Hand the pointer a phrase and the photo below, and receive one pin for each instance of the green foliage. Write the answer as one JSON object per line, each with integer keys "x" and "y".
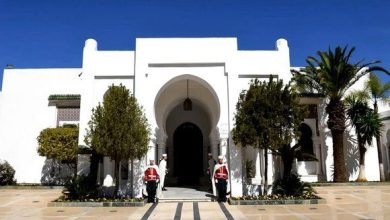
{"x": 79, "y": 187}
{"x": 332, "y": 74}
{"x": 268, "y": 115}
{"x": 250, "y": 169}
{"x": 118, "y": 128}
{"x": 65, "y": 97}
{"x": 377, "y": 90}
{"x": 7, "y": 174}
{"x": 291, "y": 186}
{"x": 59, "y": 143}
{"x": 365, "y": 120}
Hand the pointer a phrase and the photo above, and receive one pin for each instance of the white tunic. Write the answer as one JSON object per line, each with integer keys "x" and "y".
{"x": 162, "y": 167}
{"x": 162, "y": 171}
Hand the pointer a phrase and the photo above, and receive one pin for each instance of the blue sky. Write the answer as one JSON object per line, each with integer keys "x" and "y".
{"x": 51, "y": 33}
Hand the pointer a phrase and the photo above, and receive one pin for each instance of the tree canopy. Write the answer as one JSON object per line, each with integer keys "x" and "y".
{"x": 268, "y": 116}
{"x": 59, "y": 143}
{"x": 366, "y": 123}
{"x": 118, "y": 128}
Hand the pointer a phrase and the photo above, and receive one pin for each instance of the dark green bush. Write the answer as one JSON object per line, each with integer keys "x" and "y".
{"x": 7, "y": 174}
{"x": 80, "y": 188}
{"x": 291, "y": 186}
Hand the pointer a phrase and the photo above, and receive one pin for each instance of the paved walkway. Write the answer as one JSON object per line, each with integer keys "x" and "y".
{"x": 343, "y": 202}
{"x": 185, "y": 194}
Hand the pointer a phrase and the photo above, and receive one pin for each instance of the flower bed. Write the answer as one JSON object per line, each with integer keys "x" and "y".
{"x": 275, "y": 200}
{"x": 98, "y": 202}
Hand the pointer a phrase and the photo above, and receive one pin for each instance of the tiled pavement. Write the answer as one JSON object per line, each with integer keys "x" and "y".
{"x": 342, "y": 202}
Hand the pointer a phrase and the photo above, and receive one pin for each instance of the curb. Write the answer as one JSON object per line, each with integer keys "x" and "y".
{"x": 30, "y": 187}
{"x": 277, "y": 202}
{"x": 351, "y": 184}
{"x": 96, "y": 204}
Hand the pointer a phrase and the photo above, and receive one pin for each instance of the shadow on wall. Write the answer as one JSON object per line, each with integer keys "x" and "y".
{"x": 55, "y": 173}
{"x": 351, "y": 154}
{"x": 325, "y": 134}
{"x": 386, "y": 145}
{"x": 237, "y": 165}
{"x": 138, "y": 168}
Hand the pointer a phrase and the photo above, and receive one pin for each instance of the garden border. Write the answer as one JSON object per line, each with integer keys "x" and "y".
{"x": 277, "y": 202}
{"x": 96, "y": 204}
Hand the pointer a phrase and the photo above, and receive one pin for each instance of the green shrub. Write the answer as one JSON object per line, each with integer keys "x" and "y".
{"x": 250, "y": 169}
{"x": 59, "y": 143}
{"x": 291, "y": 186}
{"x": 7, "y": 174}
{"x": 79, "y": 187}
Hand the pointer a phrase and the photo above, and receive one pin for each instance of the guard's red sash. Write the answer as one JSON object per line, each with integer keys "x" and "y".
{"x": 151, "y": 174}
{"x": 221, "y": 173}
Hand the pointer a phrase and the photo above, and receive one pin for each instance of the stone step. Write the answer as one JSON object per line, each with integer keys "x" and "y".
{"x": 184, "y": 200}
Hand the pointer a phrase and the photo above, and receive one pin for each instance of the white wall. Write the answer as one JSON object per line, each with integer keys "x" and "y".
{"x": 25, "y": 112}
{"x": 100, "y": 70}
{"x": 215, "y": 63}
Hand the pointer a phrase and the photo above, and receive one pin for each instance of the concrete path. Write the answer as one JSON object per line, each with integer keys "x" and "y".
{"x": 343, "y": 202}
{"x": 185, "y": 194}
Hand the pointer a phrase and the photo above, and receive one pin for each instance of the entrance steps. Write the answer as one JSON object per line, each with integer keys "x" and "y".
{"x": 183, "y": 194}
{"x": 185, "y": 200}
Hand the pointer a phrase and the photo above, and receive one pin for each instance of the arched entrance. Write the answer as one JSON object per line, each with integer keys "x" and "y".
{"x": 186, "y": 136}
{"x": 188, "y": 150}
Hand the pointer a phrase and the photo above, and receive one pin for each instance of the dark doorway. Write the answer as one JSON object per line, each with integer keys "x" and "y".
{"x": 306, "y": 143}
{"x": 188, "y": 145}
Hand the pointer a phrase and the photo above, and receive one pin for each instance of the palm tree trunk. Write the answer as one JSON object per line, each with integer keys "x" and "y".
{"x": 378, "y": 144}
{"x": 362, "y": 170}
{"x": 338, "y": 157}
{"x": 336, "y": 124}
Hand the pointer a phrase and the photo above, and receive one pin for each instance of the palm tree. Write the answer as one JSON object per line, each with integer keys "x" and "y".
{"x": 377, "y": 91}
{"x": 367, "y": 125}
{"x": 331, "y": 75}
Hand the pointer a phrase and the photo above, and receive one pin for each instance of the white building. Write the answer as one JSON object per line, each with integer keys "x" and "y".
{"x": 162, "y": 73}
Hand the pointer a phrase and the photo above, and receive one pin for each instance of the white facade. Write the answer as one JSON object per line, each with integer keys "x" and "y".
{"x": 25, "y": 112}
{"x": 157, "y": 73}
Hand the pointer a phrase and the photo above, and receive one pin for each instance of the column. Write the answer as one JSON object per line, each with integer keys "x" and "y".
{"x": 317, "y": 152}
{"x": 223, "y": 146}
{"x": 214, "y": 143}
{"x": 161, "y": 143}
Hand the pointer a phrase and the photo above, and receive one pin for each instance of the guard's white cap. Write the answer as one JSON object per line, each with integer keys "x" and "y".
{"x": 210, "y": 154}
{"x": 220, "y": 157}
{"x": 164, "y": 155}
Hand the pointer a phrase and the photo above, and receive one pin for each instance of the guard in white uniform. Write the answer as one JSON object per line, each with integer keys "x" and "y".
{"x": 163, "y": 171}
